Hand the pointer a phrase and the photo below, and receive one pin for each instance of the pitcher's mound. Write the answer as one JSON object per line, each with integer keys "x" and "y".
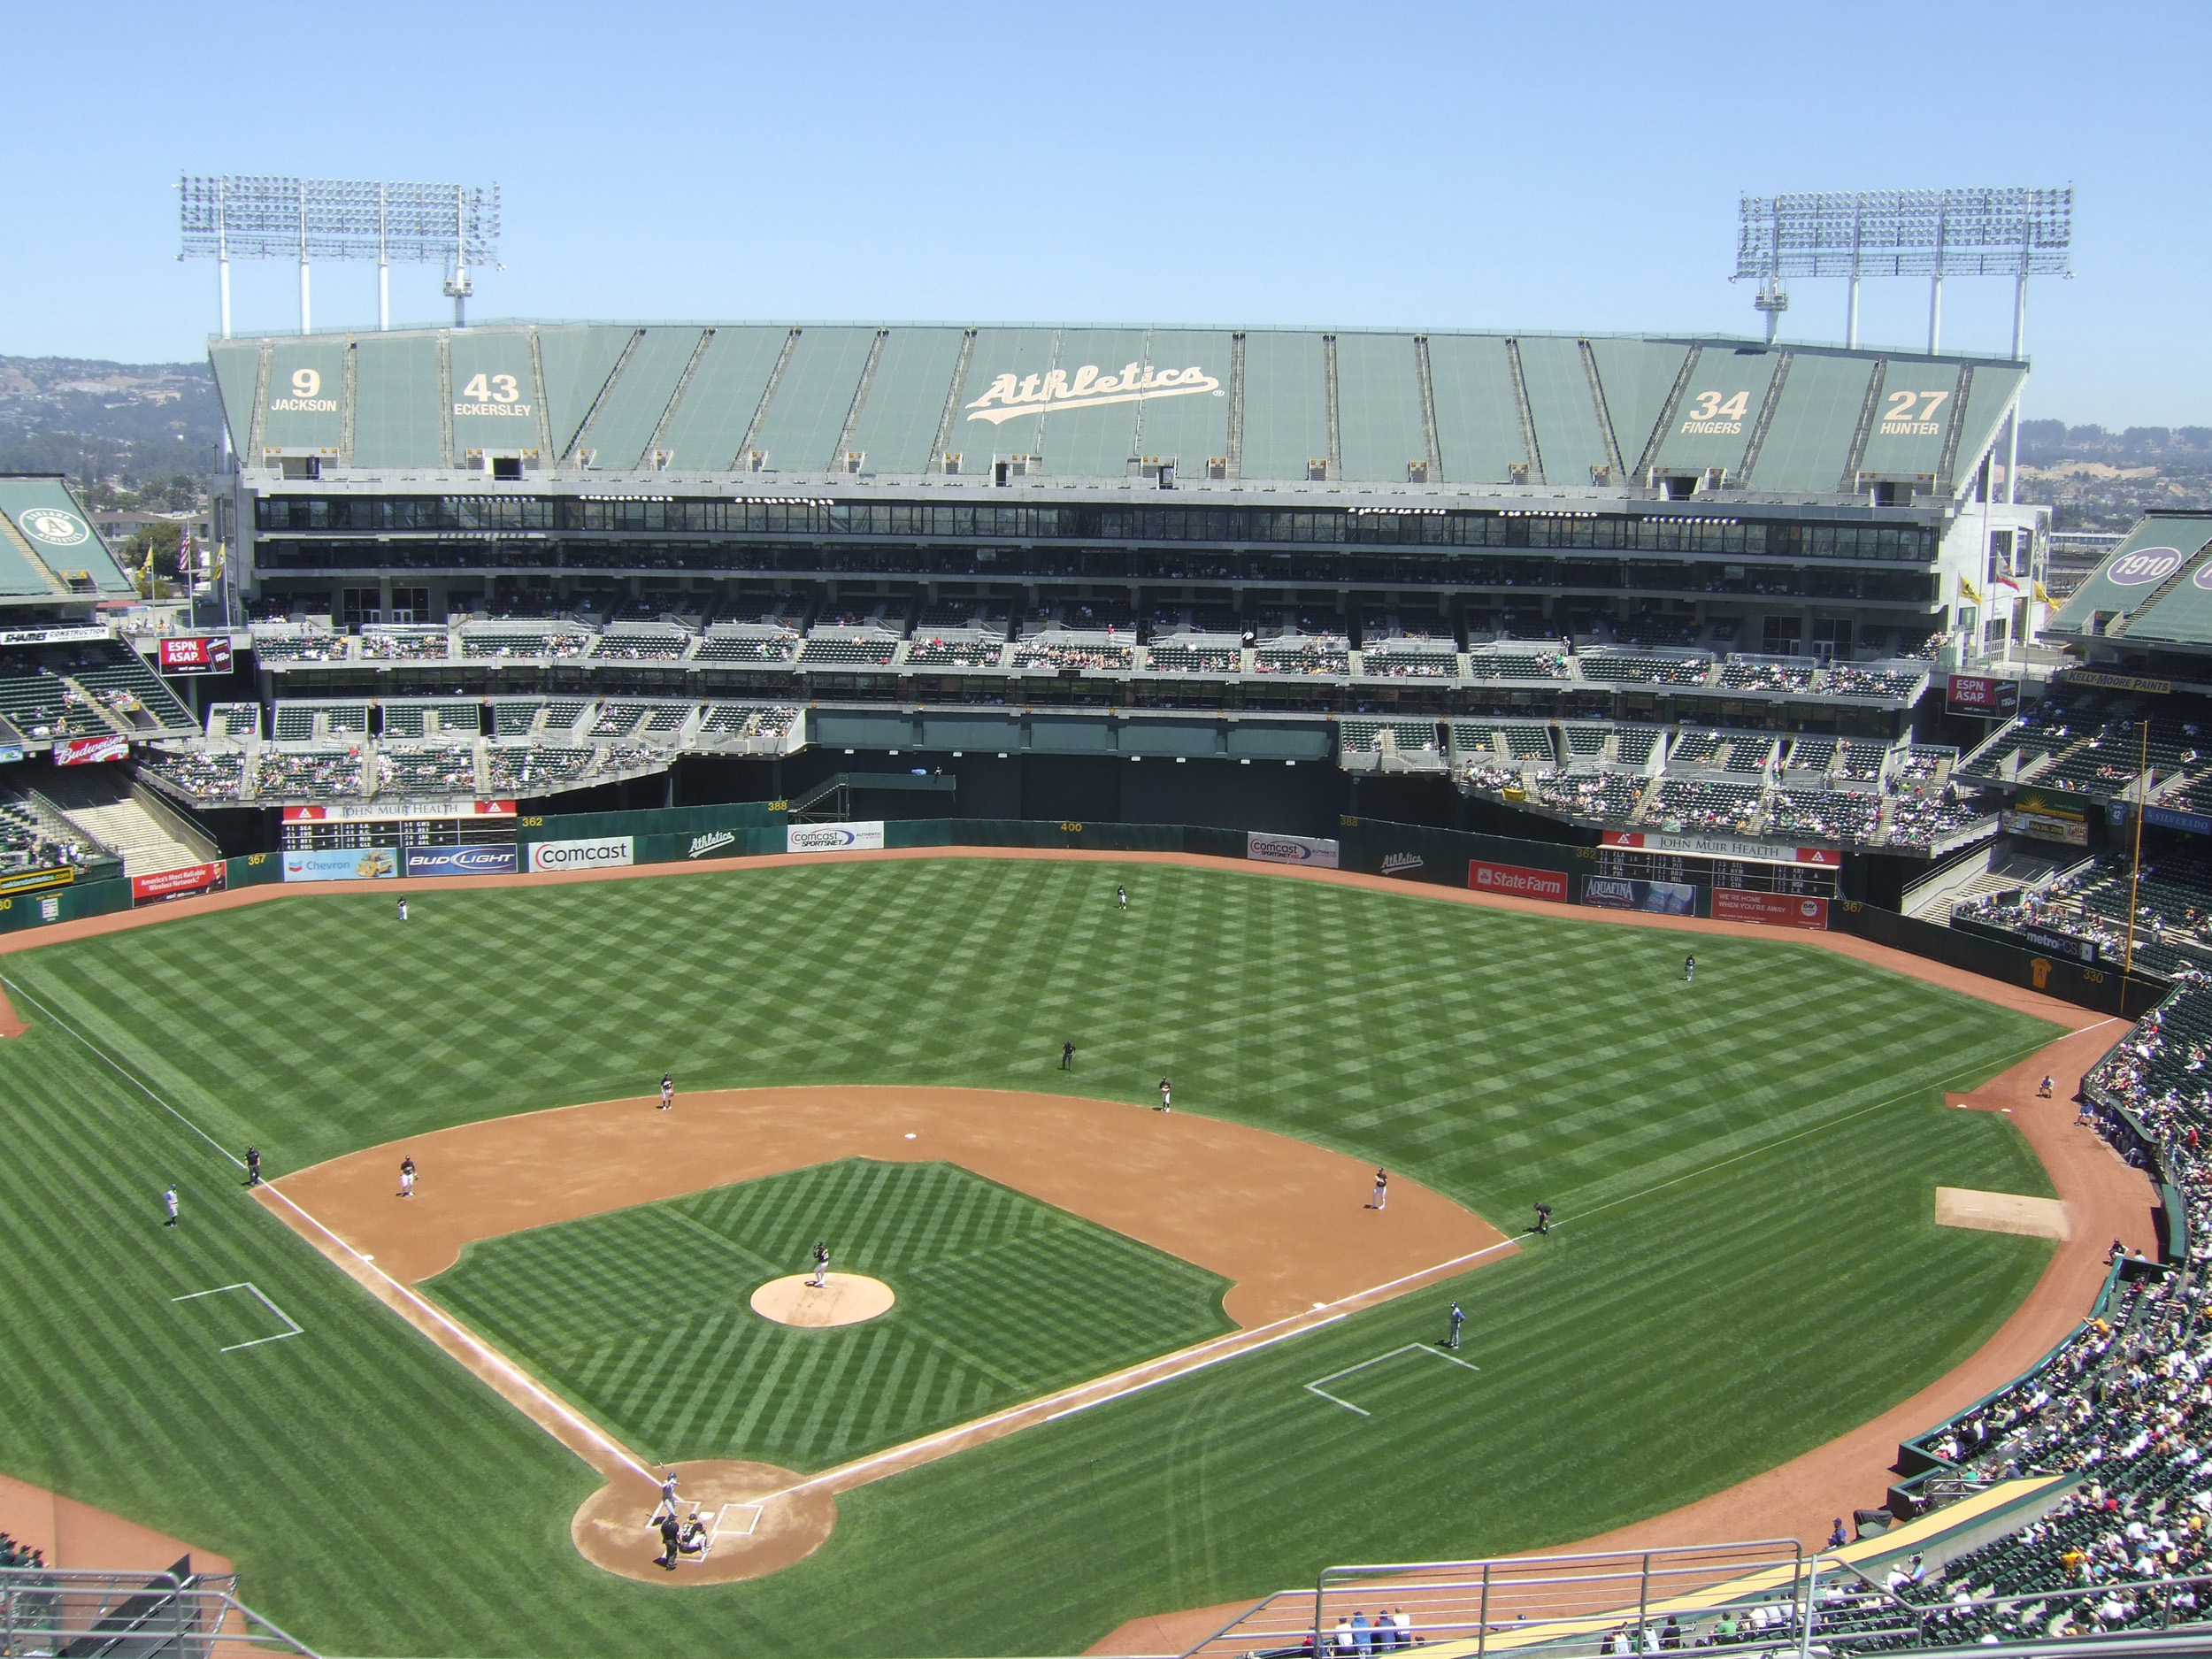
{"x": 755, "y": 1524}
{"x": 848, "y": 1299}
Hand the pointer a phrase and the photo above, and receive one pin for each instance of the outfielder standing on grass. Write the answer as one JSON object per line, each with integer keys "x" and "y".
{"x": 1689, "y": 970}
{"x": 1121, "y": 897}
{"x": 170, "y": 1199}
{"x": 1067, "y": 1056}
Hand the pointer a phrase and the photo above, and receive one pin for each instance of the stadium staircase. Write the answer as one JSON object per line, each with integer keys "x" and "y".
{"x": 106, "y": 807}
{"x": 2022, "y": 870}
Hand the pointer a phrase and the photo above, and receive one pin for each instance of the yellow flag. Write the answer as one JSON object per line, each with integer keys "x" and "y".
{"x": 2043, "y": 594}
{"x": 1969, "y": 590}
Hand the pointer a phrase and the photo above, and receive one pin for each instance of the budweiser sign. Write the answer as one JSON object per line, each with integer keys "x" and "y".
{"x": 1040, "y": 395}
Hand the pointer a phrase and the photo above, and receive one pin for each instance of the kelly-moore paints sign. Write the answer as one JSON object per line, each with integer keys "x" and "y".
{"x": 604, "y": 852}
{"x": 832, "y": 838}
{"x": 1291, "y": 849}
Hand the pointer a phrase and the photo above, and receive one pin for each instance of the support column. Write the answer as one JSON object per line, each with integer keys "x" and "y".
{"x": 383, "y": 294}
{"x": 2019, "y": 347}
{"x": 1851, "y": 316}
{"x": 222, "y": 285}
{"x": 306, "y": 325}
{"x": 1935, "y": 313}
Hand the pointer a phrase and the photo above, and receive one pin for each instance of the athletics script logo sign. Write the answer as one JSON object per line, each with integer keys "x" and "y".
{"x": 1040, "y": 395}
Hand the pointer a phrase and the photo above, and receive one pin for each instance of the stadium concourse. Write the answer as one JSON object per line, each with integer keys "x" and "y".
{"x": 2102, "y": 1195}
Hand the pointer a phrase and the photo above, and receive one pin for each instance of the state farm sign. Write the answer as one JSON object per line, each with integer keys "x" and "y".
{"x": 1518, "y": 881}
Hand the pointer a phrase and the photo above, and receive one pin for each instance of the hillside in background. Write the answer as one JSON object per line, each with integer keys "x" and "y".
{"x": 125, "y": 432}
{"x": 2096, "y": 480}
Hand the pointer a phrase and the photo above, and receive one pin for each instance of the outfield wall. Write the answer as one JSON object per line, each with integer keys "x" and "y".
{"x": 1554, "y": 871}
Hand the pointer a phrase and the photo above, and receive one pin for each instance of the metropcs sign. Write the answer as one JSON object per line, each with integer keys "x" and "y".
{"x": 1040, "y": 395}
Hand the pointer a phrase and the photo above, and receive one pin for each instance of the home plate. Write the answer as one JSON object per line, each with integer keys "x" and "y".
{"x": 2000, "y": 1212}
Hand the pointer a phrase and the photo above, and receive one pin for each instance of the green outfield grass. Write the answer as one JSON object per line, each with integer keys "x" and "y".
{"x": 640, "y": 1316}
{"x": 1746, "y": 1263}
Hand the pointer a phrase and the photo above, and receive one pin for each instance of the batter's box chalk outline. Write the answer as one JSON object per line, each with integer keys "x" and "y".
{"x": 1314, "y": 1387}
{"x": 748, "y": 1513}
{"x": 255, "y": 1292}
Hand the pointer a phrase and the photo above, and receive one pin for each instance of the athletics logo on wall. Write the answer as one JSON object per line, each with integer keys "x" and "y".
{"x": 1041, "y": 394}
{"x": 54, "y": 526}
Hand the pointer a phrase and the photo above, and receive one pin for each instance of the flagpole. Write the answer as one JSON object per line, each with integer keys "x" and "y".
{"x": 2135, "y": 870}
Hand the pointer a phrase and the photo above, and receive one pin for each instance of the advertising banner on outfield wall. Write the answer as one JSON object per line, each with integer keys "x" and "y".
{"x": 31, "y": 880}
{"x": 357, "y": 863}
{"x": 178, "y": 884}
{"x": 1291, "y": 849}
{"x": 1662, "y": 898}
{"x": 604, "y": 852}
{"x": 1775, "y": 910}
{"x": 459, "y": 861}
{"x": 1517, "y": 881}
{"x": 831, "y": 838}
{"x": 1723, "y": 847}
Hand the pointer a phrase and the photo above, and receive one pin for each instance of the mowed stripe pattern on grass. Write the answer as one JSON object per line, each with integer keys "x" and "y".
{"x": 641, "y": 1317}
{"x": 1467, "y": 1047}
{"x": 1647, "y": 1354}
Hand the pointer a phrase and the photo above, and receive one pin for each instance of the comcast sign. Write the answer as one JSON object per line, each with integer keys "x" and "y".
{"x": 1086, "y": 389}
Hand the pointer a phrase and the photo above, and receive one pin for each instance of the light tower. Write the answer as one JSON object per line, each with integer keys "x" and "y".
{"x": 263, "y": 217}
{"x": 2018, "y": 233}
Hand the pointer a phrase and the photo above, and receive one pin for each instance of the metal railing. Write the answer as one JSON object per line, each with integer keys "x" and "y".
{"x": 1511, "y": 1602}
{"x": 46, "y": 1612}
{"x": 1765, "y": 1597}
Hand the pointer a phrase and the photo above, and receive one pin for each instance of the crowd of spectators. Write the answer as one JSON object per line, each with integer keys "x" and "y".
{"x": 1606, "y": 797}
{"x": 1038, "y": 653}
{"x": 943, "y": 653}
{"x": 315, "y": 773}
{"x": 406, "y": 647}
{"x": 1407, "y": 660}
{"x": 14, "y": 1553}
{"x": 426, "y": 770}
{"x": 204, "y": 775}
{"x": 1827, "y": 815}
{"x": 1304, "y": 656}
{"x": 506, "y": 644}
{"x": 1921, "y": 820}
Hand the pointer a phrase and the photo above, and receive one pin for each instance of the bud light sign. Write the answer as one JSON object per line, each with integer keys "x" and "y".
{"x": 461, "y": 861}
{"x": 2145, "y": 564}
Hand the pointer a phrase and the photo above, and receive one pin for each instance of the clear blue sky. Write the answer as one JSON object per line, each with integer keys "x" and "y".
{"x": 1478, "y": 167}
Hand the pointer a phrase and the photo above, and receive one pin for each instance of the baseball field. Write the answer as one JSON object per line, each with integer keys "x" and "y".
{"x": 1744, "y": 1261}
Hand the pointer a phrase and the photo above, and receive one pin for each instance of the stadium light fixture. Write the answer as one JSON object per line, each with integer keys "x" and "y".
{"x": 223, "y": 217}
{"x": 2017, "y": 231}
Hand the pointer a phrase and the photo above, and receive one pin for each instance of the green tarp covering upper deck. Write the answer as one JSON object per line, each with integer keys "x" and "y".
{"x": 49, "y": 548}
{"x": 1357, "y": 406}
